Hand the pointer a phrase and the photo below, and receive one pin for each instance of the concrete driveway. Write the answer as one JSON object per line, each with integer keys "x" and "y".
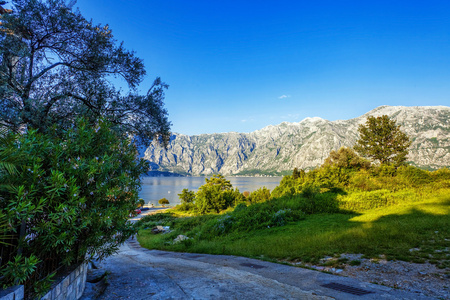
{"x": 138, "y": 273}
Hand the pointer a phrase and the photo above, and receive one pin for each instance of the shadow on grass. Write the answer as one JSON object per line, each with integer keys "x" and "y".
{"x": 423, "y": 227}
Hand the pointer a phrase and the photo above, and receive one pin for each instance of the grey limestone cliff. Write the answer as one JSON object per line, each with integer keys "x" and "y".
{"x": 306, "y": 144}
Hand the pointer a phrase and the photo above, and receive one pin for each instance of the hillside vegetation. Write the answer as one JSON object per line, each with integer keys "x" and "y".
{"x": 345, "y": 206}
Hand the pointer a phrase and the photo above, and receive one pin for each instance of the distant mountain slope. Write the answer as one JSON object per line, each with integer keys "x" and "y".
{"x": 280, "y": 148}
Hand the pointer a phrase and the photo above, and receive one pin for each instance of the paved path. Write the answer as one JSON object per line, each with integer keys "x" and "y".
{"x": 138, "y": 273}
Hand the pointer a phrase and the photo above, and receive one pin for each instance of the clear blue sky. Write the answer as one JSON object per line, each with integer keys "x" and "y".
{"x": 242, "y": 65}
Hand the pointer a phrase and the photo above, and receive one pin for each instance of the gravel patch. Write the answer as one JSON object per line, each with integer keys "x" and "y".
{"x": 422, "y": 279}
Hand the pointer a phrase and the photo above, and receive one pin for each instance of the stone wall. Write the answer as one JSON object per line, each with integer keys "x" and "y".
{"x": 70, "y": 288}
{"x": 12, "y": 293}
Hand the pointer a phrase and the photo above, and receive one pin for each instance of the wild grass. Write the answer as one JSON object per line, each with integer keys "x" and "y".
{"x": 404, "y": 221}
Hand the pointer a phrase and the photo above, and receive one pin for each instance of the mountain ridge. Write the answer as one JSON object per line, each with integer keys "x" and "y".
{"x": 277, "y": 149}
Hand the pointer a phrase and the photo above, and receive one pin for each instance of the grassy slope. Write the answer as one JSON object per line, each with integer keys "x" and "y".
{"x": 404, "y": 216}
{"x": 391, "y": 231}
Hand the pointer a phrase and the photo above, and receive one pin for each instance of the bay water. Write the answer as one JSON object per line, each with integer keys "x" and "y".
{"x": 155, "y": 188}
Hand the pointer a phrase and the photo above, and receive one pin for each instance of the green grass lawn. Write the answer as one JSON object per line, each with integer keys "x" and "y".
{"x": 415, "y": 229}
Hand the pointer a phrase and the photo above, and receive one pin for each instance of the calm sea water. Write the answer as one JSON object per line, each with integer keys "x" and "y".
{"x": 155, "y": 188}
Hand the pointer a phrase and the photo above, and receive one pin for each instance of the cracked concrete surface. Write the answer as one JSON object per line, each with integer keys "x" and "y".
{"x": 138, "y": 273}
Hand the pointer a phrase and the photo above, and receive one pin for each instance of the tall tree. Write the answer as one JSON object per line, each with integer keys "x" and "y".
{"x": 382, "y": 140}
{"x": 56, "y": 66}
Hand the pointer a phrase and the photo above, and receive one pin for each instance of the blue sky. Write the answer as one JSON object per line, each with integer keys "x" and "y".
{"x": 242, "y": 65}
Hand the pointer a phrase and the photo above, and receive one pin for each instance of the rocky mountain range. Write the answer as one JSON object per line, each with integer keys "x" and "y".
{"x": 279, "y": 149}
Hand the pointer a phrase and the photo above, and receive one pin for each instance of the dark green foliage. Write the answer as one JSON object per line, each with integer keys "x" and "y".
{"x": 163, "y": 201}
{"x": 260, "y": 195}
{"x": 346, "y": 158}
{"x": 239, "y": 207}
{"x": 74, "y": 194}
{"x": 414, "y": 176}
{"x": 18, "y": 271}
{"x": 298, "y": 174}
{"x": 287, "y": 187}
{"x": 215, "y": 195}
{"x": 185, "y": 207}
{"x": 186, "y": 196}
{"x": 56, "y": 66}
{"x": 256, "y": 216}
{"x": 383, "y": 141}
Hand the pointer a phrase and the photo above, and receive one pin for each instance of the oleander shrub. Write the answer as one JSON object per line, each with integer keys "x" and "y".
{"x": 72, "y": 194}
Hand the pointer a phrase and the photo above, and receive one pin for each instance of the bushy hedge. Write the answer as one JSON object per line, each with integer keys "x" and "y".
{"x": 72, "y": 195}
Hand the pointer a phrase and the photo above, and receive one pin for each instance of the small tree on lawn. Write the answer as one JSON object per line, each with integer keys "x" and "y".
{"x": 187, "y": 196}
{"x": 163, "y": 202}
{"x": 382, "y": 140}
{"x": 216, "y": 195}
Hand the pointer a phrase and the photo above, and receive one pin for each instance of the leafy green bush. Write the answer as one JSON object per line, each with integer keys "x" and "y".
{"x": 414, "y": 176}
{"x": 141, "y": 202}
{"x": 161, "y": 217}
{"x": 256, "y": 216}
{"x": 239, "y": 207}
{"x": 224, "y": 224}
{"x": 281, "y": 217}
{"x": 216, "y": 195}
{"x": 186, "y": 196}
{"x": 74, "y": 194}
{"x": 260, "y": 195}
{"x": 185, "y": 207}
{"x": 163, "y": 201}
{"x": 17, "y": 271}
{"x": 346, "y": 158}
{"x": 287, "y": 187}
{"x": 364, "y": 181}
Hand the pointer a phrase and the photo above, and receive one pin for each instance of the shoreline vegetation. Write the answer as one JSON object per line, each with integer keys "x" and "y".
{"x": 396, "y": 213}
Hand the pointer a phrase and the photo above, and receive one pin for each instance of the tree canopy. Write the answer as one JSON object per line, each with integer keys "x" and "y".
{"x": 216, "y": 195}
{"x": 56, "y": 66}
{"x": 382, "y": 140}
{"x": 346, "y": 158}
{"x": 187, "y": 196}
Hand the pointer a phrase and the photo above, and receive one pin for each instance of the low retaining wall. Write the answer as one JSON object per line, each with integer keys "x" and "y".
{"x": 12, "y": 293}
{"x": 70, "y": 288}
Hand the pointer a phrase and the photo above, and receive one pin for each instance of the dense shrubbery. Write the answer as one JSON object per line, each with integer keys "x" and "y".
{"x": 216, "y": 195}
{"x": 71, "y": 196}
{"x": 260, "y": 195}
{"x": 242, "y": 219}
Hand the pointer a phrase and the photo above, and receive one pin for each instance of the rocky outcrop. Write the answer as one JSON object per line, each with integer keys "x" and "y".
{"x": 306, "y": 144}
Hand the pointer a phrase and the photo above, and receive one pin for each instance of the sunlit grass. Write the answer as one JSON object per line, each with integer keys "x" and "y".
{"x": 409, "y": 226}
